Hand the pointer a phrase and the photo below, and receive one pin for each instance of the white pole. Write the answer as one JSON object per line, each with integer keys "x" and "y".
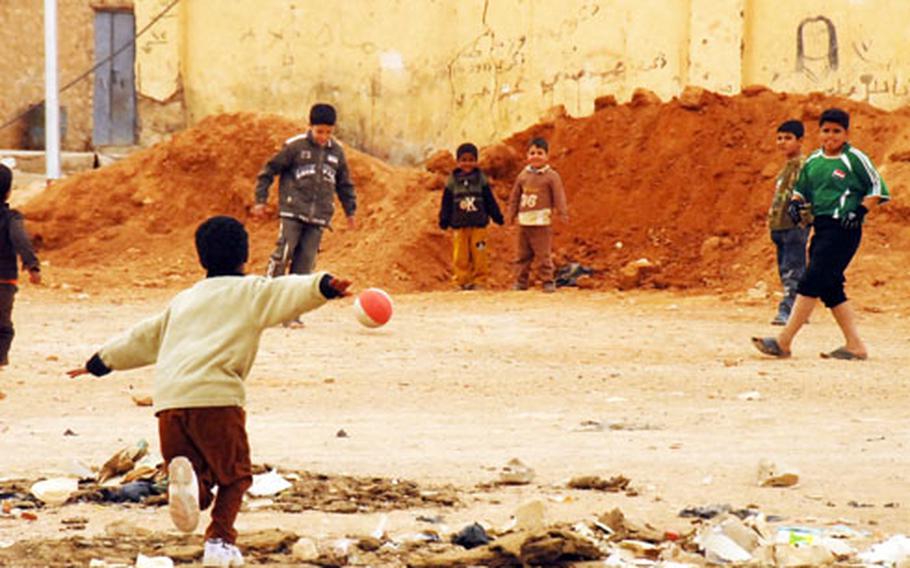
{"x": 51, "y": 100}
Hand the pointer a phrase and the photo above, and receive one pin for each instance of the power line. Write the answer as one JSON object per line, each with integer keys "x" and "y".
{"x": 114, "y": 54}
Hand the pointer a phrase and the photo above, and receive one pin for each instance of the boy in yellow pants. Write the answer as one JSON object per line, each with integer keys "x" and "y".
{"x": 467, "y": 206}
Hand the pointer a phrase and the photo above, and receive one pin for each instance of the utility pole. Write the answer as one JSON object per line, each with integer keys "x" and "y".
{"x": 51, "y": 98}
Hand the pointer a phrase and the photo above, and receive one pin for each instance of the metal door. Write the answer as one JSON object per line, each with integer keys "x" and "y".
{"x": 115, "y": 87}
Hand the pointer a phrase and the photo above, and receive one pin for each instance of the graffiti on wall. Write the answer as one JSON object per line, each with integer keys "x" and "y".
{"x": 865, "y": 77}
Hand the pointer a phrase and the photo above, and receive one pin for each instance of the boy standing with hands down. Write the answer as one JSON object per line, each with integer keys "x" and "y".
{"x": 840, "y": 185}
{"x": 537, "y": 191}
{"x": 312, "y": 169}
{"x": 789, "y": 236}
{"x": 203, "y": 346}
{"x": 467, "y": 206}
{"x": 14, "y": 244}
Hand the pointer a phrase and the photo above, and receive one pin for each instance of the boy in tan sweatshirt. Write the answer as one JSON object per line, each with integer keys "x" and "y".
{"x": 203, "y": 346}
{"x": 537, "y": 191}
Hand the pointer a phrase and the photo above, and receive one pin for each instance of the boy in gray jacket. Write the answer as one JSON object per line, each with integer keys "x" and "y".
{"x": 312, "y": 169}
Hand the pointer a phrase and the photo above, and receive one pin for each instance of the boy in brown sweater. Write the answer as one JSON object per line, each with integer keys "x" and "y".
{"x": 537, "y": 191}
{"x": 203, "y": 346}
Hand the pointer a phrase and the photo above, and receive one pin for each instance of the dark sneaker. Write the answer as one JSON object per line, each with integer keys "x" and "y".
{"x": 781, "y": 319}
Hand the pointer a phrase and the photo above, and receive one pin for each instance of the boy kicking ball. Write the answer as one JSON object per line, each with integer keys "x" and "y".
{"x": 203, "y": 346}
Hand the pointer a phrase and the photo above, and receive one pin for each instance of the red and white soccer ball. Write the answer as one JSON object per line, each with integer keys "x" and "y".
{"x": 373, "y": 307}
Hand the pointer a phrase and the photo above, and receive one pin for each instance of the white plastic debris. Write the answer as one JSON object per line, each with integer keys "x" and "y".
{"x": 270, "y": 483}
{"x": 55, "y": 491}
{"x": 305, "y": 550}
{"x": 379, "y": 531}
{"x": 889, "y": 553}
{"x": 515, "y": 472}
{"x": 143, "y": 561}
{"x": 749, "y": 395}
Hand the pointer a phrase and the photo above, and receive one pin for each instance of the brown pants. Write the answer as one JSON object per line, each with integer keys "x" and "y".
{"x": 534, "y": 242}
{"x": 214, "y": 440}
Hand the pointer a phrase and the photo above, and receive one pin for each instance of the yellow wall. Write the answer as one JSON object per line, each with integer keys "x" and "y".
{"x": 411, "y": 76}
{"x": 867, "y": 57}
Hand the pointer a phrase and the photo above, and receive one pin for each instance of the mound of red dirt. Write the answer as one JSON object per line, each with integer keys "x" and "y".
{"x": 685, "y": 184}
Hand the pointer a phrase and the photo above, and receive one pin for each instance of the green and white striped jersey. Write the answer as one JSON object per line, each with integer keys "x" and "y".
{"x": 837, "y": 185}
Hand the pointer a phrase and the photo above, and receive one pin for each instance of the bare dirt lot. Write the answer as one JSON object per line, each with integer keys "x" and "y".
{"x": 642, "y": 384}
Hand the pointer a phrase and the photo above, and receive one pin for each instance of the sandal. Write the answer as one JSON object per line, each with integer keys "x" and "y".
{"x": 770, "y": 346}
{"x": 844, "y": 355}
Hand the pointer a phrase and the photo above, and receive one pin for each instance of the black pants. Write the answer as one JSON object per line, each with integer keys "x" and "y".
{"x": 831, "y": 250}
{"x": 7, "y": 295}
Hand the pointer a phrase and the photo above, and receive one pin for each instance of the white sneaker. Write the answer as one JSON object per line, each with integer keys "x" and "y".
{"x": 219, "y": 553}
{"x": 183, "y": 494}
{"x": 234, "y": 553}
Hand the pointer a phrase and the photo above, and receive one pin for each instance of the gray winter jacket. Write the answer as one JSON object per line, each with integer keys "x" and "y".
{"x": 310, "y": 176}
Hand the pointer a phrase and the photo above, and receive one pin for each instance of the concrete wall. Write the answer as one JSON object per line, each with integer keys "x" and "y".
{"x": 22, "y": 66}
{"x": 409, "y": 76}
{"x": 852, "y": 48}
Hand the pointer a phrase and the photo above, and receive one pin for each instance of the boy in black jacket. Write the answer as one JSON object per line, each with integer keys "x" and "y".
{"x": 14, "y": 242}
{"x": 467, "y": 206}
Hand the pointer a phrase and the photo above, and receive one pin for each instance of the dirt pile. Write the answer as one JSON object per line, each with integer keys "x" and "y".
{"x": 684, "y": 184}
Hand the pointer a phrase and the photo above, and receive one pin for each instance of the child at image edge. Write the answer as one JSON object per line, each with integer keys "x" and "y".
{"x": 467, "y": 206}
{"x": 14, "y": 242}
{"x": 537, "y": 191}
{"x": 203, "y": 345}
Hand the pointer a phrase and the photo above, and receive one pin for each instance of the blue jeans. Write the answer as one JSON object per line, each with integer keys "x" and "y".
{"x": 791, "y": 263}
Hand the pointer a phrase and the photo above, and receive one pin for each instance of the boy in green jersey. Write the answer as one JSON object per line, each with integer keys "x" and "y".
{"x": 840, "y": 184}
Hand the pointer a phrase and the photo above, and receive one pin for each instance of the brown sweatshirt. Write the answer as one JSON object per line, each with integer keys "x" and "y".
{"x": 534, "y": 196}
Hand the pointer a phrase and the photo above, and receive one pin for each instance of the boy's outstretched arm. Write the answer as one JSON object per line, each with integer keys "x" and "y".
{"x": 281, "y": 299}
{"x": 137, "y": 347}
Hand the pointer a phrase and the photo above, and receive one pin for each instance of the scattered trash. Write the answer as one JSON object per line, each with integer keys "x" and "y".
{"x": 728, "y": 540}
{"x": 80, "y": 469}
{"x": 531, "y": 516}
{"x": 379, "y": 531}
{"x": 341, "y": 434}
{"x": 858, "y": 505}
{"x": 589, "y": 426}
{"x": 270, "y": 483}
{"x": 142, "y": 400}
{"x": 615, "y": 484}
{"x": 706, "y": 512}
{"x": 569, "y": 274}
{"x": 749, "y": 395}
{"x": 515, "y": 472}
{"x": 134, "y": 492}
{"x": 434, "y": 520}
{"x": 305, "y": 550}
{"x": 472, "y": 536}
{"x": 123, "y": 461}
{"x": 143, "y": 561}
{"x": 28, "y": 516}
{"x": 772, "y": 475}
{"x": 892, "y": 552}
{"x": 55, "y": 491}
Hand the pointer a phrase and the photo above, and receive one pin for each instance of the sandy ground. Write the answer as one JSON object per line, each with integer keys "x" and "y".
{"x": 459, "y": 383}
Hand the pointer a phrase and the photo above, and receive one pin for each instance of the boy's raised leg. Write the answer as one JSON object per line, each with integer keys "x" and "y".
{"x": 799, "y": 315}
